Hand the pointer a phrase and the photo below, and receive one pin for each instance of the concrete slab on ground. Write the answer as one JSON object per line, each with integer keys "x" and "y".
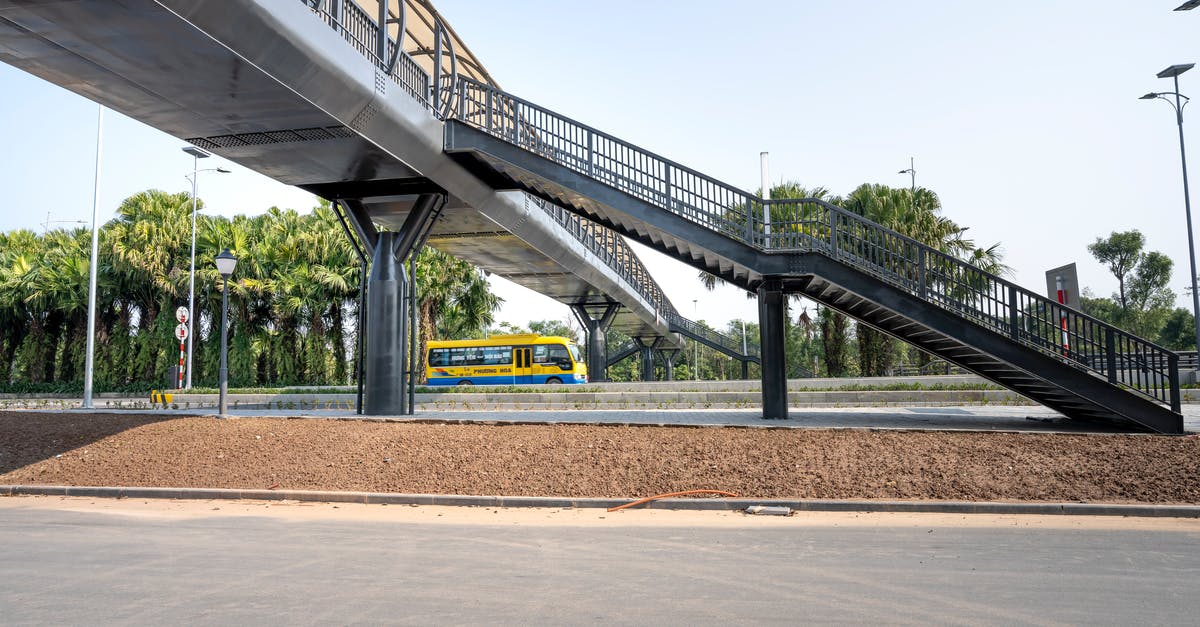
{"x": 969, "y": 418}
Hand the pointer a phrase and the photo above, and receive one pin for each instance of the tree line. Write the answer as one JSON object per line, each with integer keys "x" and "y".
{"x": 293, "y": 299}
{"x": 1143, "y": 304}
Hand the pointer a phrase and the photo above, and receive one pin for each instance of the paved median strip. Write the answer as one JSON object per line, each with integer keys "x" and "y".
{"x": 719, "y": 504}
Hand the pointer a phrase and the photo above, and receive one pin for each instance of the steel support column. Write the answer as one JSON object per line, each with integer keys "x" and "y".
{"x": 668, "y": 357}
{"x": 386, "y": 331}
{"x": 647, "y": 356}
{"x": 365, "y": 250}
{"x": 772, "y": 332}
{"x": 596, "y": 330}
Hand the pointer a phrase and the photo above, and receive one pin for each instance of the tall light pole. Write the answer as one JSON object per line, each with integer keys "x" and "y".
{"x": 1179, "y": 103}
{"x": 226, "y": 262}
{"x": 912, "y": 172}
{"x": 197, "y": 155}
{"x": 89, "y": 360}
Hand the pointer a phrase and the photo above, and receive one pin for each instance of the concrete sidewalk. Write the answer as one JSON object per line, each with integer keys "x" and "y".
{"x": 988, "y": 418}
{"x": 814, "y": 403}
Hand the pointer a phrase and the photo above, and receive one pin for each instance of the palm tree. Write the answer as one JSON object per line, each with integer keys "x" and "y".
{"x": 150, "y": 241}
{"x": 18, "y": 251}
{"x": 917, "y": 215}
{"x": 296, "y": 282}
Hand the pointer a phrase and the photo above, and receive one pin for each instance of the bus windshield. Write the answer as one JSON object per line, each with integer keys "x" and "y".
{"x": 574, "y": 353}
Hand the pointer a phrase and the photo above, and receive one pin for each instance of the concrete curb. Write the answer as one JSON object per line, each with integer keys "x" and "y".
{"x": 810, "y": 505}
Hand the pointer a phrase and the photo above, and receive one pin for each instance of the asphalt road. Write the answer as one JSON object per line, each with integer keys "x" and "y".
{"x": 87, "y": 567}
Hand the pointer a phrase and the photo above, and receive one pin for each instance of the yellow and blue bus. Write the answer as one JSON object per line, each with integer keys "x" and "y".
{"x": 505, "y": 360}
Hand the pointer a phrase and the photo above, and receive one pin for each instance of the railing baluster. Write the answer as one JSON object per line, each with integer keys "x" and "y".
{"x": 1014, "y": 314}
{"x": 1173, "y": 380}
{"x": 833, "y": 234}
{"x": 922, "y": 286}
{"x": 489, "y": 104}
{"x": 1110, "y": 350}
{"x": 748, "y": 214}
{"x": 667, "y": 184}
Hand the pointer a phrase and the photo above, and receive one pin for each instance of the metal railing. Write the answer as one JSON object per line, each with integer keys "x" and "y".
{"x": 363, "y": 32}
{"x": 609, "y": 247}
{"x": 814, "y": 225}
{"x": 695, "y": 329}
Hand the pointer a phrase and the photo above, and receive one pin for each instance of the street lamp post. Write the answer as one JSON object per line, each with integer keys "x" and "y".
{"x": 1179, "y": 103}
{"x": 912, "y": 172}
{"x": 226, "y": 262}
{"x": 89, "y": 358}
{"x": 197, "y": 154}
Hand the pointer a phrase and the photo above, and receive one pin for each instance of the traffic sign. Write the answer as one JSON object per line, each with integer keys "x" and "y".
{"x": 181, "y": 332}
{"x": 181, "y": 314}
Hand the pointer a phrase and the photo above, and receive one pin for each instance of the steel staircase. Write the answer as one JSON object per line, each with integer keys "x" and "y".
{"x": 1073, "y": 363}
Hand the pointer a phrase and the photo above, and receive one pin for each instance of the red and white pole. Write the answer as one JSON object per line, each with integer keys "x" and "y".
{"x": 1062, "y": 314}
{"x": 182, "y": 353}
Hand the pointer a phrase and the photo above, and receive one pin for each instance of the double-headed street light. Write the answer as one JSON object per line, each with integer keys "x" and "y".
{"x": 226, "y": 262}
{"x": 1179, "y": 102}
{"x": 197, "y": 155}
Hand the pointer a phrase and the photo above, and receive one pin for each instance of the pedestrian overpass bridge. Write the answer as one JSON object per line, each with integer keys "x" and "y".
{"x": 393, "y": 118}
{"x": 297, "y": 92}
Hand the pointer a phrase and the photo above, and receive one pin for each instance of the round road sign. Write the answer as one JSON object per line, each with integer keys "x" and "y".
{"x": 181, "y": 314}
{"x": 181, "y": 332}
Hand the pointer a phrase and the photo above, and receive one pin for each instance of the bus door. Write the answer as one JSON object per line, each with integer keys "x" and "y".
{"x": 522, "y": 366}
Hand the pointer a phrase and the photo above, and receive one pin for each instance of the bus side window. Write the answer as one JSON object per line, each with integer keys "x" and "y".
{"x": 497, "y": 355}
{"x": 558, "y": 355}
{"x": 540, "y": 354}
{"x": 439, "y": 357}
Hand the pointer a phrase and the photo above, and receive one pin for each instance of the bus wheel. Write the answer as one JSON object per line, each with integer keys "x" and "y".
{"x": 465, "y": 382}
{"x": 553, "y": 381}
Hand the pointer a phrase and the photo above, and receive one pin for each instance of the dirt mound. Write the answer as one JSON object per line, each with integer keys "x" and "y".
{"x": 592, "y": 461}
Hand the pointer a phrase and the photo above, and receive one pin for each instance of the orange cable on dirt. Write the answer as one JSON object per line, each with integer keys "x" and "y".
{"x": 668, "y": 495}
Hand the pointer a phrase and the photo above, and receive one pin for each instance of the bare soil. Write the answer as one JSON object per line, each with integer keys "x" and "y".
{"x": 592, "y": 461}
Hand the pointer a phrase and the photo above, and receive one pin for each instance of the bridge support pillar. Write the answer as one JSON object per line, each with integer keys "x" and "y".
{"x": 647, "y": 350}
{"x": 668, "y": 356}
{"x": 745, "y": 369}
{"x": 596, "y": 330}
{"x": 772, "y": 333}
{"x": 389, "y": 302}
{"x": 386, "y": 332}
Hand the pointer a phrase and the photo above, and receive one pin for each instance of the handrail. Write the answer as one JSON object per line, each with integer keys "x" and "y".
{"x": 362, "y": 31}
{"x": 712, "y": 335}
{"x": 814, "y": 225}
{"x": 611, "y": 248}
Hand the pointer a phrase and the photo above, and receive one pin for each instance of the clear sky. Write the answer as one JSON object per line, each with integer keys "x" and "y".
{"x": 1023, "y": 116}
